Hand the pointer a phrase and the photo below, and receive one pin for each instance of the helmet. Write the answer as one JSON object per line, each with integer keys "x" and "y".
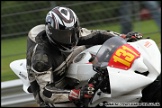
{"x": 62, "y": 28}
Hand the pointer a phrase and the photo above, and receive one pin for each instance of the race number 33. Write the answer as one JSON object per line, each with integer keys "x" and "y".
{"x": 123, "y": 57}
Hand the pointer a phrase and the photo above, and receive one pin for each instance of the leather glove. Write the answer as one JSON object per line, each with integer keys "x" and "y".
{"x": 85, "y": 92}
{"x": 132, "y": 36}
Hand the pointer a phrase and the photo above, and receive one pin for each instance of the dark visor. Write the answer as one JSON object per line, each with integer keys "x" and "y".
{"x": 63, "y": 36}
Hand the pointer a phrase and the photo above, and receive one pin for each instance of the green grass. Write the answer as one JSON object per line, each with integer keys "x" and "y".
{"x": 13, "y": 46}
{"x": 142, "y": 27}
{"x": 17, "y": 46}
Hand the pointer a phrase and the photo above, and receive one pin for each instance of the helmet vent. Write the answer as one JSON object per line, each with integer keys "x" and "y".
{"x": 64, "y": 11}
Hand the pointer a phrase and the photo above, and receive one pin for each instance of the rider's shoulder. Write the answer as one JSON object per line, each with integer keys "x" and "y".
{"x": 35, "y": 31}
{"x": 85, "y": 32}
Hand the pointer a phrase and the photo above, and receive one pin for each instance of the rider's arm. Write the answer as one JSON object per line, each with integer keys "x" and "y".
{"x": 94, "y": 37}
{"x": 43, "y": 78}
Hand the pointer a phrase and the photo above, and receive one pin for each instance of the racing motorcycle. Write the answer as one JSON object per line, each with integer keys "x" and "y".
{"x": 120, "y": 71}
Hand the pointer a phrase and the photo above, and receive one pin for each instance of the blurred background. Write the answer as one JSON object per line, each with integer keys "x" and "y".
{"x": 18, "y": 17}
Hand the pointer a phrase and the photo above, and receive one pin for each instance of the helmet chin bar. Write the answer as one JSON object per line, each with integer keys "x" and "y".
{"x": 66, "y": 48}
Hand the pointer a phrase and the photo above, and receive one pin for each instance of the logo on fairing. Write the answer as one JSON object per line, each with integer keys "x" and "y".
{"x": 147, "y": 44}
{"x": 22, "y": 75}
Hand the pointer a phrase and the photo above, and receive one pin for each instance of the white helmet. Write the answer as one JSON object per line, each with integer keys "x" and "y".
{"x": 62, "y": 28}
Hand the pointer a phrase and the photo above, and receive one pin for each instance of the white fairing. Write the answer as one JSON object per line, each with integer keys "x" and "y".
{"x": 151, "y": 56}
{"x": 19, "y": 68}
{"x": 78, "y": 70}
{"x": 126, "y": 85}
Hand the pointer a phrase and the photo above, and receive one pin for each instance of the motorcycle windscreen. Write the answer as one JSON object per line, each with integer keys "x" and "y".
{"x": 115, "y": 52}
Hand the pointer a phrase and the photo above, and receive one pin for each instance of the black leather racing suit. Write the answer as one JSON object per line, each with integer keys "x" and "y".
{"x": 46, "y": 64}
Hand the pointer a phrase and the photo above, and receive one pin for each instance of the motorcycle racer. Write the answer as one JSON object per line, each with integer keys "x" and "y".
{"x": 51, "y": 47}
